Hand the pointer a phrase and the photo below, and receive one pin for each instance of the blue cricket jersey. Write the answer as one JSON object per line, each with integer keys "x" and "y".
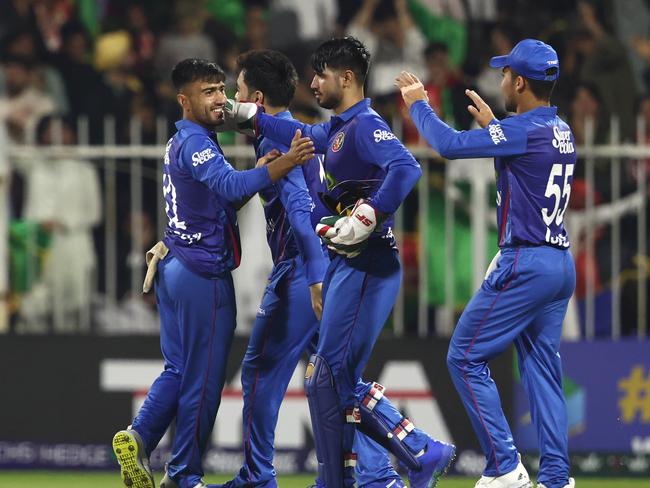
{"x": 534, "y": 158}
{"x": 363, "y": 159}
{"x": 288, "y": 210}
{"x": 199, "y": 187}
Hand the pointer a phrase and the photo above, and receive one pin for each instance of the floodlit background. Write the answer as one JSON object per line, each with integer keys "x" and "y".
{"x": 86, "y": 107}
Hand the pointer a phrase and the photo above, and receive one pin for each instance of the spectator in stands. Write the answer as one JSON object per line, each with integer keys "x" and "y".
{"x": 24, "y": 42}
{"x": 394, "y": 41}
{"x": 606, "y": 64}
{"x": 64, "y": 197}
{"x": 22, "y": 104}
{"x": 115, "y": 58}
{"x": 185, "y": 40}
{"x": 257, "y": 27}
{"x": 587, "y": 104}
{"x": 87, "y": 93}
{"x": 446, "y": 94}
{"x": 314, "y": 21}
{"x": 502, "y": 40}
{"x": 143, "y": 41}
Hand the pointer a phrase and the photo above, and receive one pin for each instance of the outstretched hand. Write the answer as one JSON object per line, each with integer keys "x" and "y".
{"x": 481, "y": 111}
{"x": 411, "y": 88}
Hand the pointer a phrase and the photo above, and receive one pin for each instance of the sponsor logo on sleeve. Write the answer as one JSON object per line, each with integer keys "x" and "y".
{"x": 496, "y": 134}
{"x": 203, "y": 156}
{"x": 383, "y": 135}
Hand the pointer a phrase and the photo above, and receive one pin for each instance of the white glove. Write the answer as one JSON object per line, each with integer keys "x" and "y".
{"x": 239, "y": 116}
{"x": 345, "y": 234}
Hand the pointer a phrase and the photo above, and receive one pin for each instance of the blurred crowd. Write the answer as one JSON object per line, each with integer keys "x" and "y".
{"x": 66, "y": 60}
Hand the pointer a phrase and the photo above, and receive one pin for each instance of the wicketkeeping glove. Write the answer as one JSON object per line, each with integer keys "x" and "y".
{"x": 155, "y": 254}
{"x": 348, "y": 235}
{"x": 239, "y": 116}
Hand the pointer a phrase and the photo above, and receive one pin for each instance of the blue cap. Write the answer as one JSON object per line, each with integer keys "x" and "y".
{"x": 530, "y": 58}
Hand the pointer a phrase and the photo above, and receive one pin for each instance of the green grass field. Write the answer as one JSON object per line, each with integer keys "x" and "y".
{"x": 51, "y": 479}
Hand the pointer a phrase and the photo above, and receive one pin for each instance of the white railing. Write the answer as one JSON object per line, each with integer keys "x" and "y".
{"x": 112, "y": 160}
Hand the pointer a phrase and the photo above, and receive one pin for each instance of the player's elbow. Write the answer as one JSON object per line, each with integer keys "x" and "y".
{"x": 447, "y": 151}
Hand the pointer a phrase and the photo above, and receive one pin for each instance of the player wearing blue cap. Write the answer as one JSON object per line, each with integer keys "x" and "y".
{"x": 527, "y": 288}
{"x": 194, "y": 287}
{"x": 369, "y": 174}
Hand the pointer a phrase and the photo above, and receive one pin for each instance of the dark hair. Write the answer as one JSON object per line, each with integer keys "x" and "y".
{"x": 385, "y": 10}
{"x": 435, "y": 47}
{"x": 193, "y": 69}
{"x": 44, "y": 122}
{"x": 342, "y": 53}
{"x": 541, "y": 89}
{"x": 590, "y": 88}
{"x": 26, "y": 62}
{"x": 271, "y": 72}
{"x": 72, "y": 28}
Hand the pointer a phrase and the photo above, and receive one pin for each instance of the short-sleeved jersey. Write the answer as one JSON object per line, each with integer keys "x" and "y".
{"x": 289, "y": 208}
{"x": 534, "y": 158}
{"x": 199, "y": 187}
{"x": 363, "y": 159}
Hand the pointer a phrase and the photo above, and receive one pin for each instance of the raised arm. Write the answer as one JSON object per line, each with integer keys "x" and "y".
{"x": 251, "y": 119}
{"x": 283, "y": 130}
{"x": 505, "y": 138}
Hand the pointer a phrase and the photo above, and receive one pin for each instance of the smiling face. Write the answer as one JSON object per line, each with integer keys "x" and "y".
{"x": 328, "y": 88}
{"x": 203, "y": 102}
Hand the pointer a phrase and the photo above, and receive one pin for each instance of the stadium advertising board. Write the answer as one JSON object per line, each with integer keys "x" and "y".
{"x": 607, "y": 390}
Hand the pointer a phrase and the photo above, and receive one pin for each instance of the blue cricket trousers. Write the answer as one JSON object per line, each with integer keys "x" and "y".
{"x": 197, "y": 322}
{"x": 286, "y": 327}
{"x": 359, "y": 295}
{"x": 523, "y": 300}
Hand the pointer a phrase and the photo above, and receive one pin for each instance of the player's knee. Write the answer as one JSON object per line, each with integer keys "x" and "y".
{"x": 318, "y": 375}
{"x": 456, "y": 360}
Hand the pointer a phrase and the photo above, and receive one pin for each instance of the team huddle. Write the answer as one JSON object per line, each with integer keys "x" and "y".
{"x": 329, "y": 193}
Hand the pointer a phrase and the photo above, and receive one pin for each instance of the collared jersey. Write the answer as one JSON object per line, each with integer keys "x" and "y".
{"x": 288, "y": 210}
{"x": 200, "y": 187}
{"x": 363, "y": 159}
{"x": 534, "y": 158}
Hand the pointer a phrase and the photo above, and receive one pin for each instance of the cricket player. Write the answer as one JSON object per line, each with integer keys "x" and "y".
{"x": 288, "y": 318}
{"x": 525, "y": 294}
{"x": 369, "y": 174}
{"x": 194, "y": 288}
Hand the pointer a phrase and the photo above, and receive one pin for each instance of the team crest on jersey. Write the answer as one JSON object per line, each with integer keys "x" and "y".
{"x": 338, "y": 141}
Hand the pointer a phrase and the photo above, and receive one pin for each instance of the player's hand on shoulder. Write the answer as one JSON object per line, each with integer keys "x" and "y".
{"x": 481, "y": 111}
{"x": 411, "y": 88}
{"x": 268, "y": 157}
{"x": 301, "y": 149}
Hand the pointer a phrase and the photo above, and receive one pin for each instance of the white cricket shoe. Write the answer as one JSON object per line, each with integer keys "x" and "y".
{"x": 517, "y": 478}
{"x": 572, "y": 484}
